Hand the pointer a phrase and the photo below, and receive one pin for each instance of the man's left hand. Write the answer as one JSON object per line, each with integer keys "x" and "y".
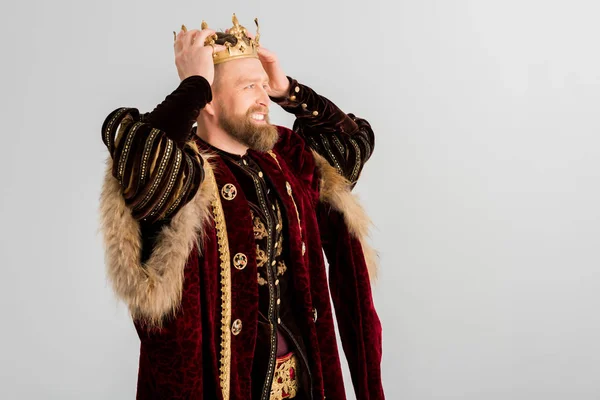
{"x": 279, "y": 85}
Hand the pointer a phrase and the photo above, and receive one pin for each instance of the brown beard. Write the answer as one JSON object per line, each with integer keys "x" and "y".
{"x": 257, "y": 137}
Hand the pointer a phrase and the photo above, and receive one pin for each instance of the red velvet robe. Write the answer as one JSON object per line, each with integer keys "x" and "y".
{"x": 191, "y": 353}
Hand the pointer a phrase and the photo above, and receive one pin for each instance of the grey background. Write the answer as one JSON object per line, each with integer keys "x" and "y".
{"x": 483, "y": 187}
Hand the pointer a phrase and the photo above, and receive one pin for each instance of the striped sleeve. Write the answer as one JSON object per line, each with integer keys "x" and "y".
{"x": 348, "y": 153}
{"x": 346, "y": 141}
{"x": 157, "y": 175}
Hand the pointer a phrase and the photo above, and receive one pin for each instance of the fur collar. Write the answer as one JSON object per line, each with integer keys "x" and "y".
{"x": 153, "y": 290}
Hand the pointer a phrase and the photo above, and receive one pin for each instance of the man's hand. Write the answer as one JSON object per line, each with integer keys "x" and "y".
{"x": 279, "y": 85}
{"x": 192, "y": 57}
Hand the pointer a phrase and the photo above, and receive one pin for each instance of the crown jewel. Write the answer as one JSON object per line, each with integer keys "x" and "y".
{"x": 245, "y": 47}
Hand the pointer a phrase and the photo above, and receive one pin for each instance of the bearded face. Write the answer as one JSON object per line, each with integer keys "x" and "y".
{"x": 252, "y": 129}
{"x": 241, "y": 99}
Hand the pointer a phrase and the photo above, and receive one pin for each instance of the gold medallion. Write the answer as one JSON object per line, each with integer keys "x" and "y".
{"x": 229, "y": 191}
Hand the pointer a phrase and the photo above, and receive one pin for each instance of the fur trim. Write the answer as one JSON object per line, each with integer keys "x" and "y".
{"x": 335, "y": 190}
{"x": 153, "y": 290}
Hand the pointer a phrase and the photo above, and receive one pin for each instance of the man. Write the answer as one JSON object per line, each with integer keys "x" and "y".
{"x": 214, "y": 233}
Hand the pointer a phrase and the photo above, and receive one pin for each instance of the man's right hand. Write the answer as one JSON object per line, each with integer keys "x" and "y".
{"x": 192, "y": 57}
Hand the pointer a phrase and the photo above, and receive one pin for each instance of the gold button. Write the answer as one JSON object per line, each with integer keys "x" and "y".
{"x": 228, "y": 191}
{"x": 236, "y": 327}
{"x": 315, "y": 113}
{"x": 245, "y": 162}
{"x": 277, "y": 281}
{"x": 293, "y": 98}
{"x": 297, "y": 89}
{"x": 240, "y": 261}
{"x": 277, "y": 226}
{"x": 278, "y": 301}
{"x": 276, "y": 244}
{"x": 304, "y": 105}
{"x": 260, "y": 174}
{"x": 273, "y": 263}
{"x": 314, "y": 315}
{"x": 279, "y": 321}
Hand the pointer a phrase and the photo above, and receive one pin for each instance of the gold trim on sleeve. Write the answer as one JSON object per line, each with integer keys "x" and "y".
{"x": 126, "y": 147}
{"x": 159, "y": 175}
{"x": 172, "y": 180}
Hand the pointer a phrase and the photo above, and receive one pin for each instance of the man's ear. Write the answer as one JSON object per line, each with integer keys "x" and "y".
{"x": 209, "y": 108}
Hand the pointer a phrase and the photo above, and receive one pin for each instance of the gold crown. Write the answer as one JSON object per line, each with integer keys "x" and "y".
{"x": 245, "y": 47}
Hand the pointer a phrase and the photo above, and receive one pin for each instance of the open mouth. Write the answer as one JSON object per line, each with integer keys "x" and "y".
{"x": 258, "y": 117}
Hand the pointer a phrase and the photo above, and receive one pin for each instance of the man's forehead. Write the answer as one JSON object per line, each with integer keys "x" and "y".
{"x": 251, "y": 78}
{"x": 240, "y": 71}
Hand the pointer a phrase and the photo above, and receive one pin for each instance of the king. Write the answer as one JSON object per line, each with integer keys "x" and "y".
{"x": 216, "y": 225}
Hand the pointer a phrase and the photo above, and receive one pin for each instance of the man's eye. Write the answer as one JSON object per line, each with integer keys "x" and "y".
{"x": 251, "y": 86}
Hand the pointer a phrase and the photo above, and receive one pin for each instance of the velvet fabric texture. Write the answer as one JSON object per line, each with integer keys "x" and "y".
{"x": 181, "y": 360}
{"x": 321, "y": 160}
{"x": 346, "y": 141}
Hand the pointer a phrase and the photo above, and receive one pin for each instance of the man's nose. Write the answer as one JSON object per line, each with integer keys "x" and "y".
{"x": 263, "y": 98}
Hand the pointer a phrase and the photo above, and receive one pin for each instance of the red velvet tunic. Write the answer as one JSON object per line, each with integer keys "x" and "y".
{"x": 276, "y": 304}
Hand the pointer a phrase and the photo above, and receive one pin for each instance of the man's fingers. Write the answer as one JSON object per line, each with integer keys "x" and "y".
{"x": 178, "y": 40}
{"x": 191, "y": 37}
{"x": 218, "y": 48}
{"x": 202, "y": 36}
{"x": 266, "y": 55}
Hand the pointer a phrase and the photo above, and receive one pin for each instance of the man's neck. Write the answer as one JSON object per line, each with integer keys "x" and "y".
{"x": 217, "y": 137}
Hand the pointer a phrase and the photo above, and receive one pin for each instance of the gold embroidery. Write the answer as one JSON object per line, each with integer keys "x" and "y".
{"x": 279, "y": 219}
{"x": 272, "y": 154}
{"x": 367, "y": 146}
{"x": 325, "y": 142}
{"x": 339, "y": 145}
{"x": 159, "y": 174}
{"x": 221, "y": 230}
{"x": 172, "y": 180}
{"x": 109, "y": 127}
{"x": 126, "y": 147}
{"x": 281, "y": 268}
{"x": 260, "y": 231}
{"x": 188, "y": 183}
{"x": 285, "y": 382}
{"x": 261, "y": 256}
{"x": 357, "y": 164}
{"x": 261, "y": 281}
{"x": 279, "y": 246}
{"x": 289, "y": 189}
{"x": 279, "y": 227}
{"x": 146, "y": 155}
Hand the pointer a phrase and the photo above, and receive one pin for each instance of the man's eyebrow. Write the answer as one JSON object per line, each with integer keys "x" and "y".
{"x": 243, "y": 80}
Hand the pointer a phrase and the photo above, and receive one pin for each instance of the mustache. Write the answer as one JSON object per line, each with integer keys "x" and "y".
{"x": 258, "y": 109}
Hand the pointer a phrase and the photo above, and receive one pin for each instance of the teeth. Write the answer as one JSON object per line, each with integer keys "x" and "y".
{"x": 258, "y": 117}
